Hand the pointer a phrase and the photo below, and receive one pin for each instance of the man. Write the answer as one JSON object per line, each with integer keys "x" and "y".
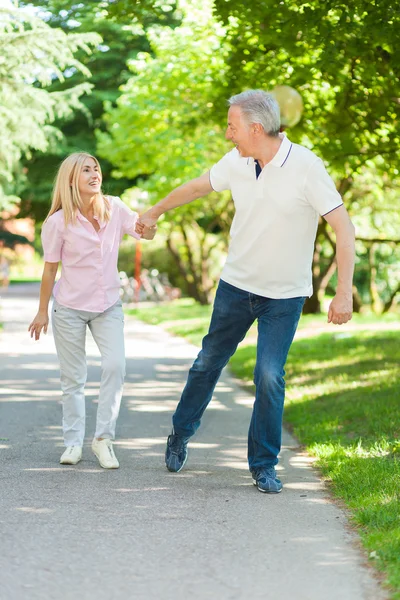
{"x": 279, "y": 190}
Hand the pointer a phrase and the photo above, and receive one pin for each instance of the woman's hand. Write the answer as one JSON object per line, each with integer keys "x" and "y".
{"x": 147, "y": 221}
{"x": 40, "y": 322}
{"x": 139, "y": 227}
{"x": 148, "y": 233}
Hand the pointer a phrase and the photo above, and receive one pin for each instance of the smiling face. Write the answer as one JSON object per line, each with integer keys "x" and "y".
{"x": 89, "y": 182}
{"x": 240, "y": 132}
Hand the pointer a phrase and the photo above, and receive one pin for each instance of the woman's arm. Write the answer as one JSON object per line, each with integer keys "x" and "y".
{"x": 41, "y": 320}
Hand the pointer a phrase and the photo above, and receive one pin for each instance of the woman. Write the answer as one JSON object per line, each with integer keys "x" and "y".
{"x": 83, "y": 231}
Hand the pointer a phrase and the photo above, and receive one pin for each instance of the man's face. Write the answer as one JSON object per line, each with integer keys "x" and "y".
{"x": 239, "y": 132}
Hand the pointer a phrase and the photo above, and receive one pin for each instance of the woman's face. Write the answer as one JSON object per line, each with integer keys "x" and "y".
{"x": 89, "y": 182}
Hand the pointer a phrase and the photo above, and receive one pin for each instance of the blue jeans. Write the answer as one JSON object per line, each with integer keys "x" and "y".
{"x": 234, "y": 312}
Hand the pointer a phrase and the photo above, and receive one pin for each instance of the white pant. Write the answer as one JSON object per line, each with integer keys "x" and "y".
{"x": 69, "y": 330}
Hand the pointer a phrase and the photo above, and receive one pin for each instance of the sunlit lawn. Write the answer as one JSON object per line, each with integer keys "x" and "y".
{"x": 183, "y": 317}
{"x": 343, "y": 404}
{"x": 15, "y": 280}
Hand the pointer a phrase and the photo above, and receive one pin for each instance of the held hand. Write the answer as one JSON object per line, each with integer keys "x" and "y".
{"x": 148, "y": 219}
{"x": 139, "y": 227}
{"x": 149, "y": 232}
{"x": 40, "y": 322}
{"x": 340, "y": 309}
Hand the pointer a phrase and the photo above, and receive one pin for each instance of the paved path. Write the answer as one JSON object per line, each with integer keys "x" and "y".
{"x": 140, "y": 532}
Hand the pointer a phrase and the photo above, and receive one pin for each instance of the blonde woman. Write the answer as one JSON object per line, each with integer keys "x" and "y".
{"x": 83, "y": 231}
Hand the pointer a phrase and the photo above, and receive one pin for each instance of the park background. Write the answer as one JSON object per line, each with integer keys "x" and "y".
{"x": 143, "y": 86}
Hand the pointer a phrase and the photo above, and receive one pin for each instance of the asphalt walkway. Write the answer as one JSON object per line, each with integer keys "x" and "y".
{"x": 140, "y": 532}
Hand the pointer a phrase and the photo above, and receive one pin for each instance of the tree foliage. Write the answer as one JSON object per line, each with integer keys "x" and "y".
{"x": 164, "y": 72}
{"x": 123, "y": 36}
{"x": 32, "y": 56}
{"x": 340, "y": 56}
{"x": 163, "y": 129}
{"x": 342, "y": 59}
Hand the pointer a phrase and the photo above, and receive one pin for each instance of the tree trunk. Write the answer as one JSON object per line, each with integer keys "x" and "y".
{"x": 357, "y": 302}
{"x": 193, "y": 290}
{"x": 392, "y": 300}
{"x": 312, "y": 305}
{"x": 376, "y": 302}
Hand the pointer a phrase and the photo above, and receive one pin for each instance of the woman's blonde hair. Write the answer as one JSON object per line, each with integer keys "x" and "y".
{"x": 66, "y": 190}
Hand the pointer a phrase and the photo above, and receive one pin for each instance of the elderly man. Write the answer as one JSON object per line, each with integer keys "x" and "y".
{"x": 279, "y": 190}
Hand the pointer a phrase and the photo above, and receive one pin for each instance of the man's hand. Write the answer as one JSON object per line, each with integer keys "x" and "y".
{"x": 148, "y": 218}
{"x": 341, "y": 308}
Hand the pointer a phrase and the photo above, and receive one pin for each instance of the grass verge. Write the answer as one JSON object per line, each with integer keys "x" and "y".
{"x": 183, "y": 317}
{"x": 15, "y": 281}
{"x": 343, "y": 404}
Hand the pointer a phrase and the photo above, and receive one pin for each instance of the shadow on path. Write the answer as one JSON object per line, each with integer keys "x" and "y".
{"x": 141, "y": 532}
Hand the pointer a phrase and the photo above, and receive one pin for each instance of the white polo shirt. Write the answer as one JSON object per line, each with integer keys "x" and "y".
{"x": 276, "y": 218}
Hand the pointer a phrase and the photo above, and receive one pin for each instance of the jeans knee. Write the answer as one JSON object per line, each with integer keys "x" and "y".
{"x": 207, "y": 363}
{"x": 269, "y": 378}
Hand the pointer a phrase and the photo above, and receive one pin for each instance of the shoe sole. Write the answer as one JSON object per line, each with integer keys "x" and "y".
{"x": 70, "y": 462}
{"x": 180, "y": 469}
{"x": 266, "y": 491}
{"x": 103, "y": 465}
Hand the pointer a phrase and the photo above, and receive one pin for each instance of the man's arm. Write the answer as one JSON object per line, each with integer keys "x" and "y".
{"x": 341, "y": 307}
{"x": 196, "y": 188}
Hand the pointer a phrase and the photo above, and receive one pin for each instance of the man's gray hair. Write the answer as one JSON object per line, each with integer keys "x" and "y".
{"x": 258, "y": 106}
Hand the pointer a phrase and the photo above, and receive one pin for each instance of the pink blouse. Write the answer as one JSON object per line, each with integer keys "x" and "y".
{"x": 89, "y": 276}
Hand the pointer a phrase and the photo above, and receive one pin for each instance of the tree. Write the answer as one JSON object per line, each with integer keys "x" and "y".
{"x": 377, "y": 220}
{"x": 164, "y": 130}
{"x": 123, "y": 36}
{"x": 32, "y": 56}
{"x": 342, "y": 59}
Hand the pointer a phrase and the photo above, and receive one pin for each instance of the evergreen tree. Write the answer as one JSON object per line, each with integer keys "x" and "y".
{"x": 123, "y": 37}
{"x": 32, "y": 57}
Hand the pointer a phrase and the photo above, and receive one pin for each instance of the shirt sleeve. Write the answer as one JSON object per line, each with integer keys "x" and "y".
{"x": 128, "y": 219}
{"x": 52, "y": 239}
{"x": 320, "y": 190}
{"x": 220, "y": 173}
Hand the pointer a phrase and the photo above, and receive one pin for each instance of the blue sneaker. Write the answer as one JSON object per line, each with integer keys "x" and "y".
{"x": 176, "y": 453}
{"x": 266, "y": 481}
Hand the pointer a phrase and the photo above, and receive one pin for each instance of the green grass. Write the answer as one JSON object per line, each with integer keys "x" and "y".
{"x": 16, "y": 280}
{"x": 354, "y": 429}
{"x": 343, "y": 404}
{"x": 183, "y": 317}
{"x": 187, "y": 318}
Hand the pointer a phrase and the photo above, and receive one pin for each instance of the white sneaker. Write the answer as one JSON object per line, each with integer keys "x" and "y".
{"x": 71, "y": 456}
{"x": 103, "y": 449}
